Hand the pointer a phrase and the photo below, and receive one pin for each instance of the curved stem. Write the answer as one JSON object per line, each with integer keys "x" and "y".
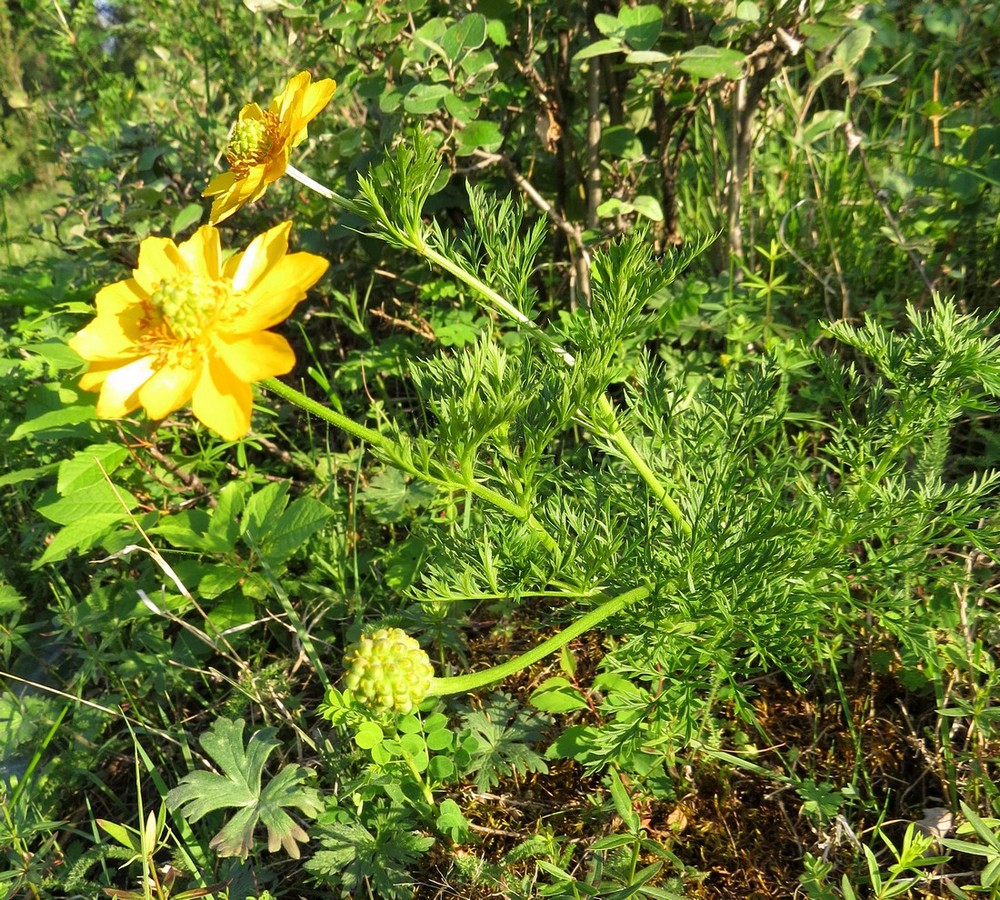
{"x": 392, "y": 449}
{"x": 314, "y": 185}
{"x": 459, "y": 684}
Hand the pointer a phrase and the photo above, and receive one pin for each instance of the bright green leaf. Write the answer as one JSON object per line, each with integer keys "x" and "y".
{"x": 240, "y": 785}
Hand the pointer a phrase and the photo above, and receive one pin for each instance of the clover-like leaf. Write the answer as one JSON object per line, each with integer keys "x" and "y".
{"x": 240, "y": 785}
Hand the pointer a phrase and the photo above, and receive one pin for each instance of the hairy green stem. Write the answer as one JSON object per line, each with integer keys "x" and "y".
{"x": 392, "y": 449}
{"x": 460, "y": 684}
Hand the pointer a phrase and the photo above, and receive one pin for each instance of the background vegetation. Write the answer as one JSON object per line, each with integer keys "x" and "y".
{"x": 769, "y": 234}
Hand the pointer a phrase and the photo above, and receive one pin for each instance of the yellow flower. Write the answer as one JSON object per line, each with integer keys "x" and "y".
{"x": 261, "y": 142}
{"x": 188, "y": 327}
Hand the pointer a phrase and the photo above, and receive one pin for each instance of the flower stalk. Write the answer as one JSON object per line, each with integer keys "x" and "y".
{"x": 392, "y": 450}
{"x": 460, "y": 684}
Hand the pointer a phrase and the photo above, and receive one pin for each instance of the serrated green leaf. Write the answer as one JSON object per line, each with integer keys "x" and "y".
{"x": 218, "y": 580}
{"x": 184, "y": 529}
{"x": 33, "y": 474}
{"x": 53, "y": 420}
{"x": 263, "y": 508}
{"x": 81, "y": 535}
{"x": 295, "y": 526}
{"x": 95, "y": 499}
{"x": 236, "y": 610}
{"x": 89, "y": 466}
{"x": 10, "y": 600}
{"x": 223, "y": 531}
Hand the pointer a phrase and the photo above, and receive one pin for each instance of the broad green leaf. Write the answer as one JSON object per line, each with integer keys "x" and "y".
{"x": 479, "y": 135}
{"x": 451, "y": 821}
{"x": 462, "y": 110}
{"x": 223, "y": 531}
{"x": 98, "y": 498}
{"x": 33, "y": 474}
{"x": 56, "y": 353}
{"x": 600, "y": 48}
{"x": 264, "y": 508}
{"x": 234, "y": 611}
{"x": 186, "y": 217}
{"x": 467, "y": 34}
{"x": 557, "y": 695}
{"x": 54, "y": 419}
{"x": 648, "y": 206}
{"x": 90, "y": 466}
{"x": 184, "y": 529}
{"x": 81, "y": 535}
{"x": 296, "y": 525}
{"x": 622, "y": 142}
{"x": 240, "y": 785}
{"x": 647, "y": 58}
{"x": 423, "y": 99}
{"x": 821, "y": 124}
{"x": 218, "y": 580}
{"x": 641, "y": 25}
{"x": 708, "y": 62}
{"x": 369, "y": 735}
{"x": 607, "y": 24}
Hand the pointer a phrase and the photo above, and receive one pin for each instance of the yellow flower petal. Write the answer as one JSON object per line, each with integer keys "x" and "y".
{"x": 290, "y": 97}
{"x": 222, "y": 183}
{"x": 203, "y": 252}
{"x": 222, "y": 402}
{"x": 109, "y": 337}
{"x": 274, "y": 296}
{"x": 264, "y": 252}
{"x": 316, "y": 97}
{"x": 117, "y": 297}
{"x": 119, "y": 392}
{"x": 169, "y": 388}
{"x": 253, "y": 357}
{"x": 94, "y": 377}
{"x": 159, "y": 259}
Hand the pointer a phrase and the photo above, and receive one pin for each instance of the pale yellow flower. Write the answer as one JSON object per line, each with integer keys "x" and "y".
{"x": 190, "y": 328}
{"x": 261, "y": 142}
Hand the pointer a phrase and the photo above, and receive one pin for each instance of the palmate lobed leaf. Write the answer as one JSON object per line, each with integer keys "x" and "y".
{"x": 240, "y": 785}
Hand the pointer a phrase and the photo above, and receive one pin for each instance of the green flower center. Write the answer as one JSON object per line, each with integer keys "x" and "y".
{"x": 251, "y": 141}
{"x": 188, "y": 304}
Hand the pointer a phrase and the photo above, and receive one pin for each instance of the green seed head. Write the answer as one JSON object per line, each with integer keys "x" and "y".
{"x": 189, "y": 304}
{"x": 252, "y": 141}
{"x": 388, "y": 670}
